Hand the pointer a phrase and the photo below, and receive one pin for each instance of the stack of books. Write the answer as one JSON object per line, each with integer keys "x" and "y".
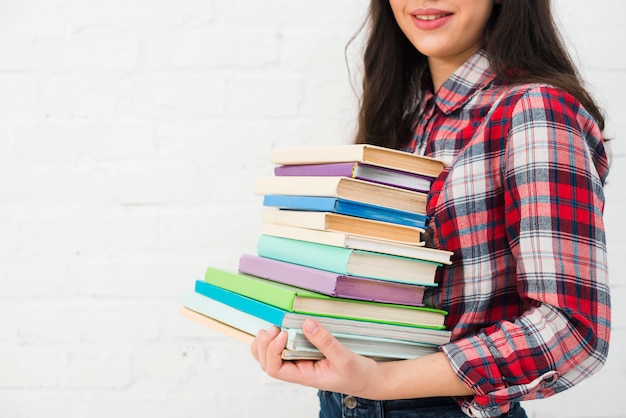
{"x": 341, "y": 241}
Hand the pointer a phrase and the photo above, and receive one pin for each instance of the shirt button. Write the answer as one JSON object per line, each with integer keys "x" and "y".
{"x": 350, "y": 402}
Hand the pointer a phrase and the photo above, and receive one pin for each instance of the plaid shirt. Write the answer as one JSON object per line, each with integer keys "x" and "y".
{"x": 521, "y": 207}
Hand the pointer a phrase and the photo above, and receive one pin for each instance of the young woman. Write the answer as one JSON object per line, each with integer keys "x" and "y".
{"x": 488, "y": 87}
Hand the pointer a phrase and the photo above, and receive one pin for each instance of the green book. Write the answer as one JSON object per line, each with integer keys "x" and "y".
{"x": 348, "y": 261}
{"x": 295, "y": 299}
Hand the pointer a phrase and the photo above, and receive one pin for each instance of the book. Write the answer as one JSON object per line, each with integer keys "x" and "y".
{"x": 219, "y": 309}
{"x": 294, "y": 299}
{"x": 331, "y": 284}
{"x": 368, "y": 154}
{"x": 265, "y": 312}
{"x": 345, "y": 188}
{"x": 346, "y": 207}
{"x": 360, "y": 171}
{"x": 328, "y": 221}
{"x": 233, "y": 323}
{"x": 218, "y": 326}
{"x": 218, "y": 302}
{"x": 435, "y": 337}
{"x": 239, "y": 335}
{"x": 378, "y": 348}
{"x": 348, "y": 261}
{"x": 356, "y": 242}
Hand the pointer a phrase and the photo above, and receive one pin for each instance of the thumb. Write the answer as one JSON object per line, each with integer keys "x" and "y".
{"x": 323, "y": 340}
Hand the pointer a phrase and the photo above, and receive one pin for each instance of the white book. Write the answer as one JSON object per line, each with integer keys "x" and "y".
{"x": 376, "y": 347}
{"x": 357, "y": 242}
{"x": 344, "y": 188}
{"x": 329, "y": 221}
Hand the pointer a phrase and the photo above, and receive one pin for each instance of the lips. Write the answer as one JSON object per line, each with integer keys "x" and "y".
{"x": 429, "y": 18}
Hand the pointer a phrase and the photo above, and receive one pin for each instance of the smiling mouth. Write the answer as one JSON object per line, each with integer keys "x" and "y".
{"x": 431, "y": 17}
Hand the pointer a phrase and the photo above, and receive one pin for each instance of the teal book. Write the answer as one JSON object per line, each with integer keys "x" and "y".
{"x": 348, "y": 261}
{"x": 295, "y": 299}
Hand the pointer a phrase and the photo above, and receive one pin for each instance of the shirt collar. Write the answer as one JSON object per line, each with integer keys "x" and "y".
{"x": 474, "y": 75}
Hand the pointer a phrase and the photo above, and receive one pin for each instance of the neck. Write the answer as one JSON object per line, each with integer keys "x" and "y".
{"x": 441, "y": 68}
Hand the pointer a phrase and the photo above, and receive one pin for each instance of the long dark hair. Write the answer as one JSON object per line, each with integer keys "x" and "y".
{"x": 522, "y": 43}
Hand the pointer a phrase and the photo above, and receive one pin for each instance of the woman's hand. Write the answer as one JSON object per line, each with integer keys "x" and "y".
{"x": 340, "y": 371}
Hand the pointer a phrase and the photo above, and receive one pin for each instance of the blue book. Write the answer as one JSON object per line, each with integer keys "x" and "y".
{"x": 346, "y": 207}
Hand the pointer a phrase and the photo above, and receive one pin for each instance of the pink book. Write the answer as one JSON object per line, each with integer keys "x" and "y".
{"x": 332, "y": 284}
{"x": 375, "y": 174}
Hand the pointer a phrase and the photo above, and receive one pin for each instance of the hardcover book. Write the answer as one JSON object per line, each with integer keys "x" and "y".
{"x": 435, "y": 337}
{"x": 239, "y": 335}
{"x": 343, "y": 188}
{"x": 328, "y": 221}
{"x": 294, "y": 299}
{"x": 222, "y": 327}
{"x": 357, "y": 242}
{"x": 346, "y": 207}
{"x": 360, "y": 171}
{"x": 368, "y": 154}
{"x": 331, "y": 284}
{"x": 348, "y": 261}
{"x": 378, "y": 348}
{"x": 219, "y": 303}
{"x": 234, "y": 325}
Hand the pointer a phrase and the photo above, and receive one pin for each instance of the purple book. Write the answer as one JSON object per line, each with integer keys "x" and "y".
{"x": 332, "y": 284}
{"x": 375, "y": 174}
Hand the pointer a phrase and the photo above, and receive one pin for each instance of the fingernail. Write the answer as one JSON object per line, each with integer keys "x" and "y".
{"x": 310, "y": 326}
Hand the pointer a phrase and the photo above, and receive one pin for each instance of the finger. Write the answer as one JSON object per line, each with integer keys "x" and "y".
{"x": 323, "y": 340}
{"x": 261, "y": 342}
{"x": 254, "y": 346}
{"x": 273, "y": 355}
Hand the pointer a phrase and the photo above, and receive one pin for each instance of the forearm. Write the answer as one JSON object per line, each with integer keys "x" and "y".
{"x": 343, "y": 371}
{"x": 423, "y": 377}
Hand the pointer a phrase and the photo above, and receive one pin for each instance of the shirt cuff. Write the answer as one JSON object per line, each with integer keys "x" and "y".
{"x": 475, "y": 364}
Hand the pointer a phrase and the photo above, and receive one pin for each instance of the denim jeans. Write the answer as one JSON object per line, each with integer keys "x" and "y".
{"x": 336, "y": 405}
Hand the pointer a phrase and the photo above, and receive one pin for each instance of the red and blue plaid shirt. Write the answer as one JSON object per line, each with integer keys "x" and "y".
{"x": 520, "y": 205}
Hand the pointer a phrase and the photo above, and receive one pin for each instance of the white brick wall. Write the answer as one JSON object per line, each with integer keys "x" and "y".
{"x": 130, "y": 135}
